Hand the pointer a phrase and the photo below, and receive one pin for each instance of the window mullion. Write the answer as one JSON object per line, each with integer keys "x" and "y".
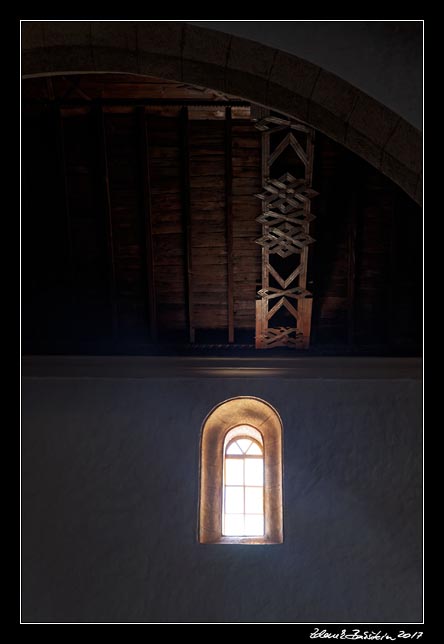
{"x": 243, "y": 481}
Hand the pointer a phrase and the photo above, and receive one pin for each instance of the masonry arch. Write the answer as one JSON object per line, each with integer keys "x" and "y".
{"x": 236, "y": 66}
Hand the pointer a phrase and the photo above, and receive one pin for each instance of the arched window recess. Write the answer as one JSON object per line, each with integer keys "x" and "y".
{"x": 241, "y": 474}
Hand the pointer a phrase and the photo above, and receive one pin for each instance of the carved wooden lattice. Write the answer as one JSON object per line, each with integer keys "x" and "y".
{"x": 283, "y": 312}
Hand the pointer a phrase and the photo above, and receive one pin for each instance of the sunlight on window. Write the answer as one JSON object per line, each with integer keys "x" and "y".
{"x": 243, "y": 502}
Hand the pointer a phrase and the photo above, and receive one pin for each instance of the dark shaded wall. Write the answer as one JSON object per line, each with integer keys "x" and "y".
{"x": 110, "y": 496}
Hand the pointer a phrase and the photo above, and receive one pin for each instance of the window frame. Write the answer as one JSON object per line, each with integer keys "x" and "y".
{"x": 232, "y": 413}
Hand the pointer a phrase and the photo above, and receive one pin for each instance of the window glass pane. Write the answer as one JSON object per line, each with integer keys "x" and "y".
{"x": 254, "y": 450}
{"x": 254, "y": 471}
{"x": 254, "y": 524}
{"x": 234, "y": 449}
{"x": 254, "y": 503}
{"x": 244, "y": 506}
{"x": 234, "y": 500}
{"x": 244, "y": 443}
{"x": 234, "y": 525}
{"x": 234, "y": 471}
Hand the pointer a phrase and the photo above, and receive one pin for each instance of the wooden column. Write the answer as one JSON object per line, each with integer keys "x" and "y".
{"x": 147, "y": 221}
{"x": 229, "y": 221}
{"x": 186, "y": 218}
{"x": 103, "y": 163}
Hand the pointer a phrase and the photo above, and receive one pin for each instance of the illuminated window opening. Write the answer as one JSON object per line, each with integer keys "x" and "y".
{"x": 243, "y": 491}
{"x": 240, "y": 498}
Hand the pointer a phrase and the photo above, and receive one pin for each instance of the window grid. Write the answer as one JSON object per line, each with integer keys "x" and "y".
{"x": 244, "y": 456}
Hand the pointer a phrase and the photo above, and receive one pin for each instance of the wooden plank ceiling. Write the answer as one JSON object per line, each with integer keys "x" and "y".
{"x": 139, "y": 226}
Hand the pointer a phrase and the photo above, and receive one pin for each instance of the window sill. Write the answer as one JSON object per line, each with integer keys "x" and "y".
{"x": 244, "y": 541}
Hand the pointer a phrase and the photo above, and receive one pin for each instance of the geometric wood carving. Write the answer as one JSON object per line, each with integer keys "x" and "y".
{"x": 285, "y": 219}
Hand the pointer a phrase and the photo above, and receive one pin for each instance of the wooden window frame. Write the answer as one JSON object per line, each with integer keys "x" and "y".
{"x": 257, "y": 413}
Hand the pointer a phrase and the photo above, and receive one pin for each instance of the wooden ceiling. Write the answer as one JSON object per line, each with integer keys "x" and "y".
{"x": 126, "y": 182}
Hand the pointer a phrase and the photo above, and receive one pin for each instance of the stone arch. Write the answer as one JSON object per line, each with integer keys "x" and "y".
{"x": 239, "y": 67}
{"x": 256, "y": 413}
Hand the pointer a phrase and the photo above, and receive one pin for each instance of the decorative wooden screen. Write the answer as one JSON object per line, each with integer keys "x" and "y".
{"x": 283, "y": 312}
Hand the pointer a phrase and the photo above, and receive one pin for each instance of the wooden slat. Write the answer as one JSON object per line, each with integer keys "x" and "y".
{"x": 103, "y": 161}
{"x": 351, "y": 275}
{"x": 147, "y": 222}
{"x": 289, "y": 139}
{"x": 185, "y": 158}
{"x": 60, "y": 142}
{"x": 229, "y": 222}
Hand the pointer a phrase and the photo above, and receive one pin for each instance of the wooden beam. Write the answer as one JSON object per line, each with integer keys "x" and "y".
{"x": 262, "y": 307}
{"x": 186, "y": 218}
{"x": 107, "y": 220}
{"x": 177, "y": 102}
{"x": 351, "y": 269}
{"x": 392, "y": 307}
{"x": 147, "y": 221}
{"x": 310, "y": 157}
{"x": 305, "y": 307}
{"x": 259, "y": 317}
{"x": 229, "y": 221}
{"x": 50, "y": 88}
{"x": 60, "y": 143}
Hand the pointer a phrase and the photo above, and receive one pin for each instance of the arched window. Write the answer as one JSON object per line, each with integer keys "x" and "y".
{"x": 241, "y": 474}
{"x": 243, "y": 497}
